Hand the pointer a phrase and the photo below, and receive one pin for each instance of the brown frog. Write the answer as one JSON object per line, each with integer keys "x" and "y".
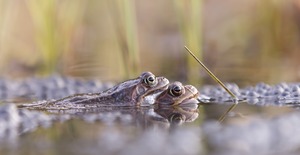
{"x": 178, "y": 94}
{"x": 129, "y": 93}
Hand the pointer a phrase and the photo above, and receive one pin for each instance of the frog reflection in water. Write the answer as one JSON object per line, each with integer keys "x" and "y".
{"x": 185, "y": 97}
{"x": 162, "y": 114}
{"x": 142, "y": 91}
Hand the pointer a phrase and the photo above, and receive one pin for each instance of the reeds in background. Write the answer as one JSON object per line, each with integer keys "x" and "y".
{"x": 54, "y": 25}
{"x": 116, "y": 39}
{"x": 43, "y": 15}
{"x": 6, "y": 18}
{"x": 124, "y": 22}
{"x": 277, "y": 35}
{"x": 190, "y": 21}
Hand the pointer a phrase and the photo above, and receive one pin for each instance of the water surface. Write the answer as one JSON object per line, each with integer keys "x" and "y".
{"x": 145, "y": 130}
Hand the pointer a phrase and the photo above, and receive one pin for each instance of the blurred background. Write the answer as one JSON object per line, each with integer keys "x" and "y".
{"x": 241, "y": 41}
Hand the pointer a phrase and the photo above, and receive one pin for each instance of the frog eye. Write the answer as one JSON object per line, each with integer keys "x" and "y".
{"x": 176, "y": 90}
{"x": 176, "y": 118}
{"x": 150, "y": 80}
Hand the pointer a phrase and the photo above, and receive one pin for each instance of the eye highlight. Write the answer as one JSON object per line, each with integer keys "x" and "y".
{"x": 150, "y": 80}
{"x": 175, "y": 90}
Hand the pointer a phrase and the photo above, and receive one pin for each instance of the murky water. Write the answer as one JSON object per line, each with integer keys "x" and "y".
{"x": 149, "y": 131}
{"x": 257, "y": 127}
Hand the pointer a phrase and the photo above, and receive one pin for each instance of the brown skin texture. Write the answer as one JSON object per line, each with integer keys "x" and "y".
{"x": 178, "y": 94}
{"x": 128, "y": 93}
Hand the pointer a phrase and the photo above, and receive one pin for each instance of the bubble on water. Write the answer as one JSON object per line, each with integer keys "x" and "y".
{"x": 253, "y": 94}
{"x": 261, "y": 90}
{"x": 262, "y": 85}
{"x": 283, "y": 85}
{"x": 277, "y": 91}
{"x": 284, "y": 95}
{"x": 296, "y": 94}
{"x": 295, "y": 88}
{"x": 268, "y": 94}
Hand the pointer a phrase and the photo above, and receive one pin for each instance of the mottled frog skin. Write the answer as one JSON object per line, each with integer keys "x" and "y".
{"x": 145, "y": 90}
{"x": 128, "y": 93}
{"x": 178, "y": 94}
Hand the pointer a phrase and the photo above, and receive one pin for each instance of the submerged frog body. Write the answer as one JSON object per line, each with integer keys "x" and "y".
{"x": 128, "y": 93}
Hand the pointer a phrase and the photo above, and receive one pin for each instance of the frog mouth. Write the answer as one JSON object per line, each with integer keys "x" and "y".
{"x": 150, "y": 98}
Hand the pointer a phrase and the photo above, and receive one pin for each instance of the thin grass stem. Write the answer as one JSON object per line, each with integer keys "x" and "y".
{"x": 235, "y": 99}
{"x": 212, "y": 75}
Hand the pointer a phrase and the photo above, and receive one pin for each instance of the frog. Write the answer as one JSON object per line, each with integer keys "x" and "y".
{"x": 129, "y": 93}
{"x": 178, "y": 94}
